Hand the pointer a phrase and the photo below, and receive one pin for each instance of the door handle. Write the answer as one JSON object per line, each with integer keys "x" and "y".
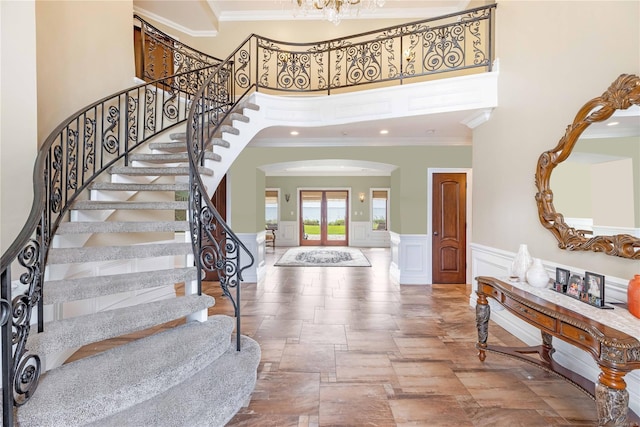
{"x": 435, "y": 233}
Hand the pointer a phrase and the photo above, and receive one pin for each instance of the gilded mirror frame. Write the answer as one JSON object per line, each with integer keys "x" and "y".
{"x": 622, "y": 94}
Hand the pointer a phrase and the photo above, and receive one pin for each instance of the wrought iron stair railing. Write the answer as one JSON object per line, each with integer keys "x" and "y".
{"x": 92, "y": 140}
{"x": 78, "y": 151}
{"x": 451, "y": 43}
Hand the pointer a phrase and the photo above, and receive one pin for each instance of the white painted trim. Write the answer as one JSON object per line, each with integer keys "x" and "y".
{"x": 171, "y": 24}
{"x": 255, "y": 243}
{"x": 472, "y": 93}
{"x": 430, "y": 172}
{"x": 287, "y": 234}
{"x": 488, "y": 261}
{"x": 361, "y": 235}
{"x": 408, "y": 258}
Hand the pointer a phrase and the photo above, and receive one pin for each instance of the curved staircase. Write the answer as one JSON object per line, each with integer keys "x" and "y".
{"x": 103, "y": 253}
{"x": 144, "y": 382}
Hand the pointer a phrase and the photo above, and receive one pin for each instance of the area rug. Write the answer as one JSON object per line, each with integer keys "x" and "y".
{"x": 314, "y": 256}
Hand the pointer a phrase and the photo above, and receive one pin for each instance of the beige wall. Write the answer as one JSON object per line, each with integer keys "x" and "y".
{"x": 18, "y": 118}
{"x": 554, "y": 56}
{"x": 408, "y": 184}
{"x": 85, "y": 52}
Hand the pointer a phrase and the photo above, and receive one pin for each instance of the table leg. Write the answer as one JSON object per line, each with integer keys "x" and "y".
{"x": 547, "y": 347}
{"x": 612, "y": 398}
{"x": 483, "y": 311}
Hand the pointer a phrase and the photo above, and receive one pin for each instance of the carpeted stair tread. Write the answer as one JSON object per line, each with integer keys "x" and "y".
{"x": 177, "y": 146}
{"x": 158, "y": 171}
{"x": 109, "y": 253}
{"x": 81, "y": 330}
{"x": 127, "y": 186}
{"x": 215, "y": 394}
{"x": 250, "y": 106}
{"x": 170, "y": 157}
{"x": 89, "y": 389}
{"x": 121, "y": 227}
{"x": 220, "y": 142}
{"x": 229, "y": 129}
{"x": 106, "y": 205}
{"x": 59, "y": 291}
{"x": 239, "y": 117}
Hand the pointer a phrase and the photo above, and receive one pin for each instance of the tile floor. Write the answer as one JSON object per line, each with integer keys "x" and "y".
{"x": 346, "y": 346}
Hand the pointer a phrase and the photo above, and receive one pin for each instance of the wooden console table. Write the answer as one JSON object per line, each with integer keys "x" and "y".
{"x": 616, "y": 352}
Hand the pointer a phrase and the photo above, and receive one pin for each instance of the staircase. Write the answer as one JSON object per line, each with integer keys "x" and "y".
{"x": 102, "y": 253}
{"x": 143, "y": 382}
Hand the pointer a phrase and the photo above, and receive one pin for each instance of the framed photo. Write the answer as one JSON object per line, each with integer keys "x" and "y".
{"x": 562, "y": 279}
{"x": 574, "y": 287}
{"x": 594, "y": 287}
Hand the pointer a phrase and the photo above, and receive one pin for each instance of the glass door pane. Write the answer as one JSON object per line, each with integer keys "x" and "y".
{"x": 311, "y": 215}
{"x": 336, "y": 218}
{"x": 323, "y": 218}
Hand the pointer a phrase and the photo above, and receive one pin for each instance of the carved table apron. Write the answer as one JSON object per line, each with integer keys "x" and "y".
{"x": 616, "y": 352}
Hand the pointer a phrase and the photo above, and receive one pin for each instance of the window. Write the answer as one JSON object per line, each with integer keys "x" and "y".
{"x": 271, "y": 209}
{"x": 380, "y": 210}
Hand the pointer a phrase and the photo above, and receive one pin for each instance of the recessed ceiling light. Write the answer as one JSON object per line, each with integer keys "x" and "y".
{"x": 613, "y": 123}
{"x": 384, "y": 132}
{"x": 294, "y": 133}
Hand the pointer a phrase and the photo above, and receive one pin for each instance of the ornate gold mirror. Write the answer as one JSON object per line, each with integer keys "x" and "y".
{"x": 595, "y": 154}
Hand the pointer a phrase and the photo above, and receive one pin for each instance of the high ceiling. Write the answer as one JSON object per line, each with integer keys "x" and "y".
{"x": 202, "y": 18}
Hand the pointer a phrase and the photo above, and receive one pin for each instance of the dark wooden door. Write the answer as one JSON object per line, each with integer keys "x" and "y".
{"x": 449, "y": 263}
{"x": 219, "y": 200}
{"x": 153, "y": 56}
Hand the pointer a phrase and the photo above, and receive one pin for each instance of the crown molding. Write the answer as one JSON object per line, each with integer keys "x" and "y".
{"x": 174, "y": 25}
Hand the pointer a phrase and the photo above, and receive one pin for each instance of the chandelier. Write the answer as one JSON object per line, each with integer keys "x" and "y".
{"x": 334, "y": 10}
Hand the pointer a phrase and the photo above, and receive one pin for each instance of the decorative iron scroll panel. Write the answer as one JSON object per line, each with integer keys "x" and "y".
{"x": 454, "y": 42}
{"x": 107, "y": 131}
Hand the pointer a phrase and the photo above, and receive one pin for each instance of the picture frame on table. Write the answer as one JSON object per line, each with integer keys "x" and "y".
{"x": 574, "y": 287}
{"x": 562, "y": 279}
{"x": 594, "y": 288}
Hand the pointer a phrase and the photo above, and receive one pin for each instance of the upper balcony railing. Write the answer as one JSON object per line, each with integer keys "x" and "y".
{"x": 78, "y": 151}
{"x": 188, "y": 85}
{"x": 460, "y": 43}
{"x": 456, "y": 43}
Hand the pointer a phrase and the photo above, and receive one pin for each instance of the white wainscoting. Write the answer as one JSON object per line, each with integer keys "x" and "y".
{"x": 361, "y": 235}
{"x": 255, "y": 243}
{"x": 409, "y": 256}
{"x": 287, "y": 234}
{"x": 487, "y": 261}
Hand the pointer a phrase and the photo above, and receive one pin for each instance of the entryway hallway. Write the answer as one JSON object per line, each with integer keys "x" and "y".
{"x": 345, "y": 346}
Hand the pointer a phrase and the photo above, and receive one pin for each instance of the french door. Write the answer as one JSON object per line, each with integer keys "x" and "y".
{"x": 323, "y": 217}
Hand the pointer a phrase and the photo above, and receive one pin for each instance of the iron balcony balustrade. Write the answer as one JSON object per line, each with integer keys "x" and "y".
{"x": 450, "y": 43}
{"x": 90, "y": 141}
